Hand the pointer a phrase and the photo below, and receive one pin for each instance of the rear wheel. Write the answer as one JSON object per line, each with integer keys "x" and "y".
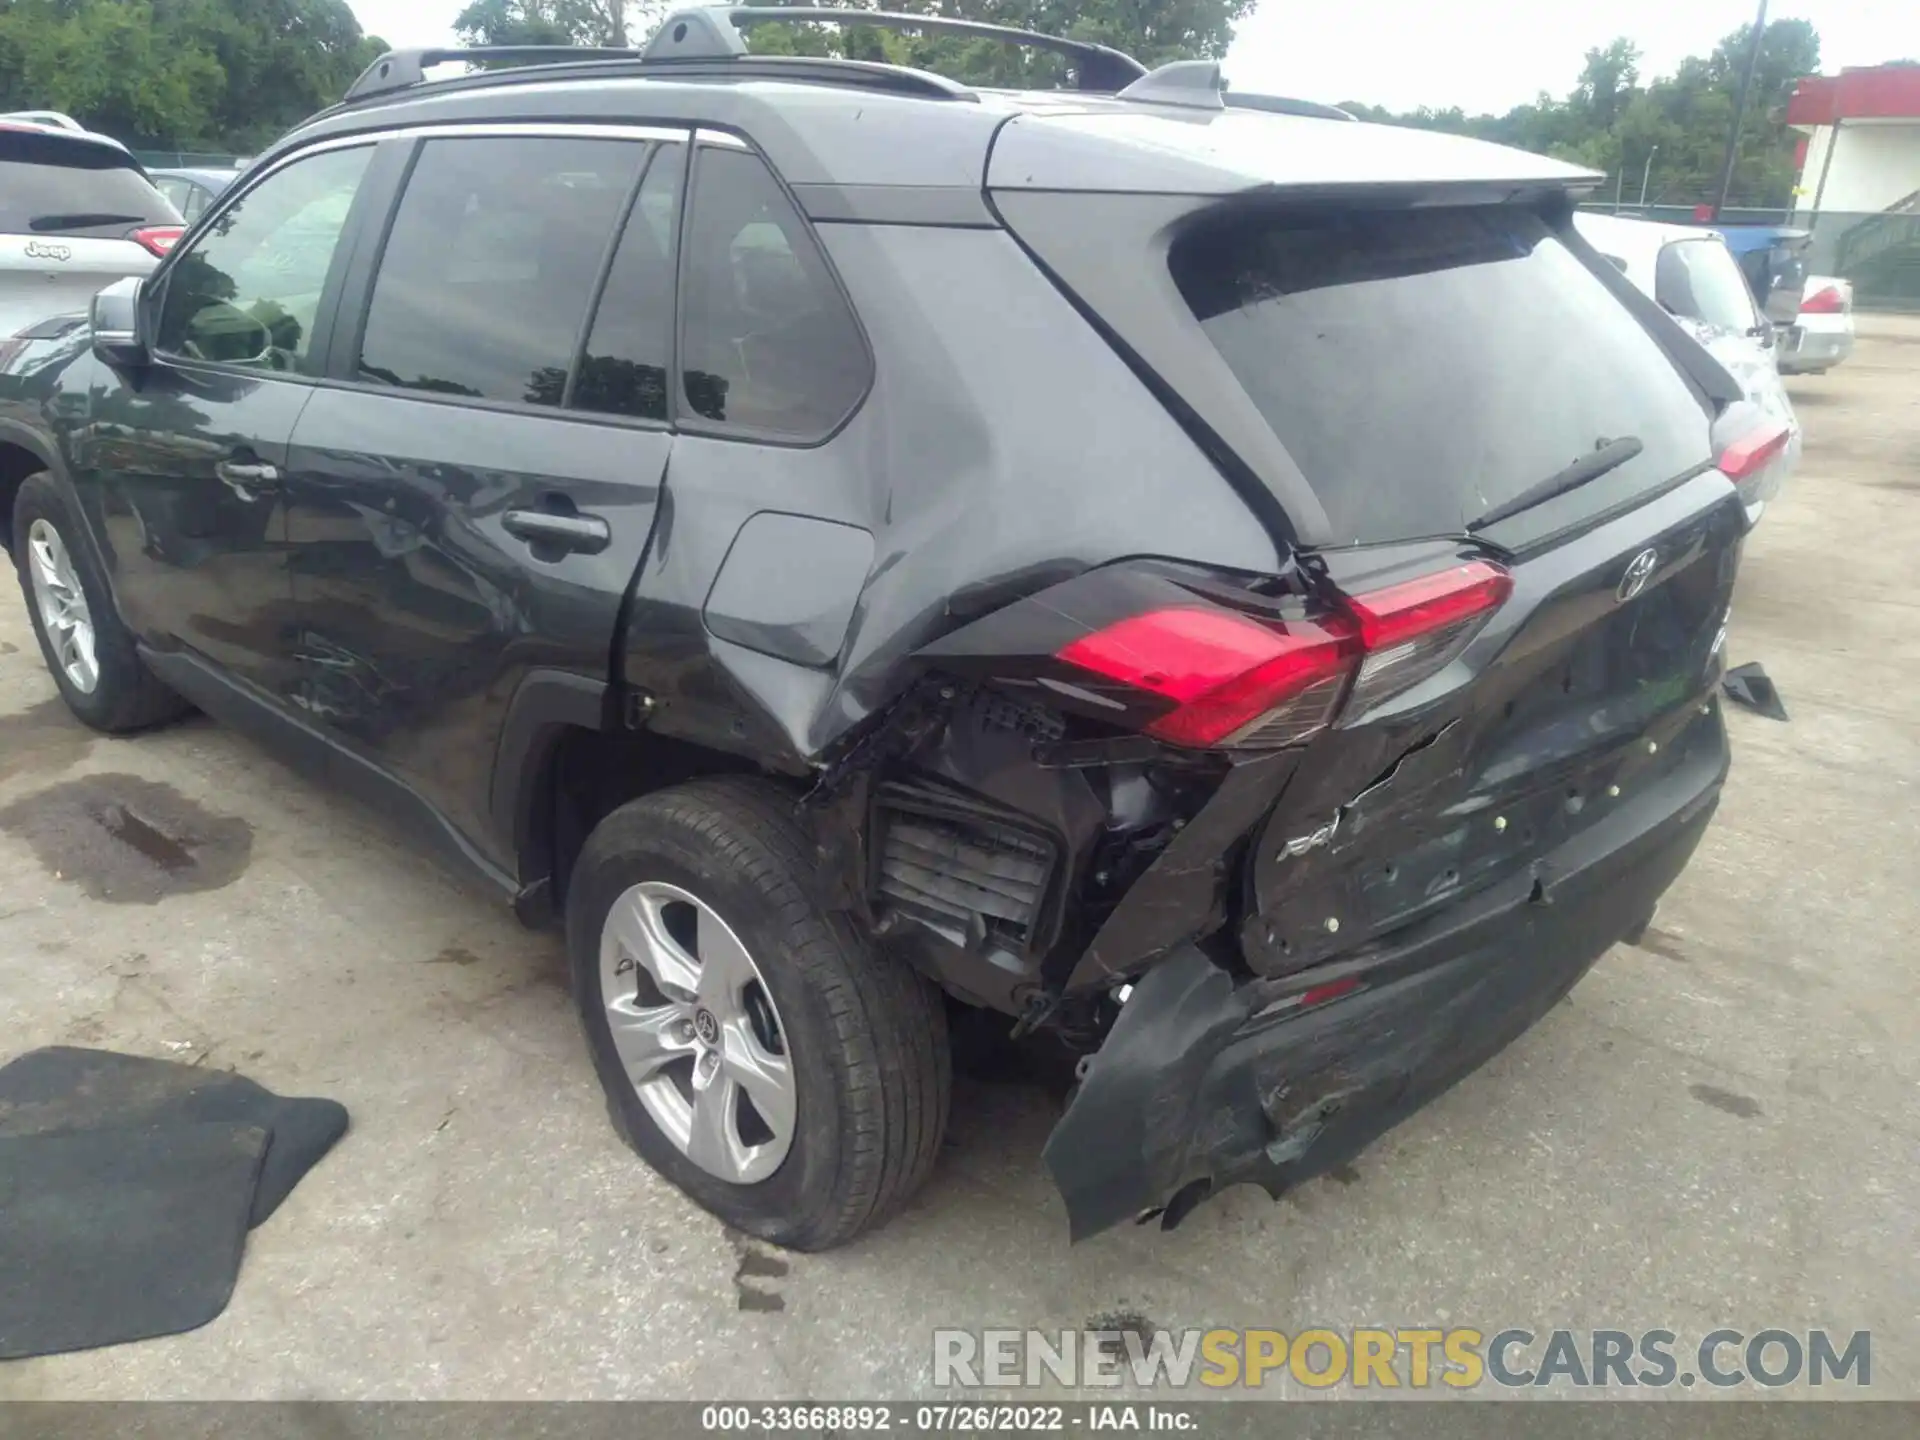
{"x": 90, "y": 653}
{"x": 755, "y": 1049}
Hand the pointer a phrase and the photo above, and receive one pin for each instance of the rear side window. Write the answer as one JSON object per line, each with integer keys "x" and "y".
{"x": 179, "y": 194}
{"x": 55, "y": 186}
{"x": 624, "y": 369}
{"x": 491, "y": 264}
{"x": 767, "y": 344}
{"x": 1700, "y": 280}
{"x": 1425, "y": 366}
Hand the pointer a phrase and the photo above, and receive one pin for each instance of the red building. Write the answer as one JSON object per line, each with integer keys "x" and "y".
{"x": 1862, "y": 147}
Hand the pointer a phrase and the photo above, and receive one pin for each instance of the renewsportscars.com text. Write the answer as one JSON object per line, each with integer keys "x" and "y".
{"x": 1373, "y": 1359}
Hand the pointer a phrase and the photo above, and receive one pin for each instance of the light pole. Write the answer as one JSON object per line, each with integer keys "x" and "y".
{"x": 1646, "y": 175}
{"x": 1740, "y": 109}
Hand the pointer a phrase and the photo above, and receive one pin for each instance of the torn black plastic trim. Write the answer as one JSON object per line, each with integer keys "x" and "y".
{"x": 1128, "y": 1130}
{"x": 1183, "y": 895}
{"x": 1196, "y": 1089}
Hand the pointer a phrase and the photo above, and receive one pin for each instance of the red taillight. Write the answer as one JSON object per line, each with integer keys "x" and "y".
{"x": 1332, "y": 990}
{"x": 1827, "y": 300}
{"x": 1411, "y": 630}
{"x": 1419, "y": 607}
{"x": 159, "y": 239}
{"x": 1750, "y": 454}
{"x": 1235, "y": 680}
{"x": 1223, "y": 671}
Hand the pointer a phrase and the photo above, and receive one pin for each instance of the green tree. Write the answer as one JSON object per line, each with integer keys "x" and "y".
{"x": 188, "y": 74}
{"x": 555, "y": 22}
{"x": 1611, "y": 123}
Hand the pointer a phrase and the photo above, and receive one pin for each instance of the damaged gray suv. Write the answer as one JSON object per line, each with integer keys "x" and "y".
{"x": 1233, "y": 589}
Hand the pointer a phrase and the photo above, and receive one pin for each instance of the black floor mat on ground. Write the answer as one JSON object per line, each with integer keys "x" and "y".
{"x": 127, "y": 1187}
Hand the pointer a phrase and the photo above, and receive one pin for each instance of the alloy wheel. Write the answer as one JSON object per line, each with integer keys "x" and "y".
{"x": 62, "y": 603}
{"x": 698, "y": 1033}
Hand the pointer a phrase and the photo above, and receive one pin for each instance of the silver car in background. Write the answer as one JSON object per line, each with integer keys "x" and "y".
{"x": 77, "y": 213}
{"x": 1821, "y": 336}
{"x": 193, "y": 189}
{"x": 1695, "y": 278}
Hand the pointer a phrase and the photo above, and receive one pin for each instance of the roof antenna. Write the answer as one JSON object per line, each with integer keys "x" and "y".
{"x": 1194, "y": 84}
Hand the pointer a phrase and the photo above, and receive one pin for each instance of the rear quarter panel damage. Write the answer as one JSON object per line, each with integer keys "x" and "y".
{"x": 1003, "y": 446}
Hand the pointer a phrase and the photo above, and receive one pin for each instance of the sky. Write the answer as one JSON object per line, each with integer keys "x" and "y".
{"x": 1482, "y": 55}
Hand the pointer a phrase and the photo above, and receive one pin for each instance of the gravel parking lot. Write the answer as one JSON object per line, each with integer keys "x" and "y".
{"x": 1717, "y": 1128}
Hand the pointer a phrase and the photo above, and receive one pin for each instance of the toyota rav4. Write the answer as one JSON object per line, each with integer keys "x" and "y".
{"x": 1232, "y": 588}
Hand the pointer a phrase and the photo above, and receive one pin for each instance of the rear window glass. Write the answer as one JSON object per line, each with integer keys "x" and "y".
{"x": 1700, "y": 280}
{"x": 1424, "y": 366}
{"x": 50, "y": 186}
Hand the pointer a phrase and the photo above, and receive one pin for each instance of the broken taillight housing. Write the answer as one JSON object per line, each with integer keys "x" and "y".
{"x": 1240, "y": 682}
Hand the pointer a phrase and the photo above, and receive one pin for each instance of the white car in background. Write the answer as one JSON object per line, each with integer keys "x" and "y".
{"x": 1695, "y": 278}
{"x": 76, "y": 214}
{"x": 1822, "y": 336}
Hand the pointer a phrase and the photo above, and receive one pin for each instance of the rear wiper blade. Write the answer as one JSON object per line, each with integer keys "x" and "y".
{"x": 1606, "y": 455}
{"x": 40, "y": 224}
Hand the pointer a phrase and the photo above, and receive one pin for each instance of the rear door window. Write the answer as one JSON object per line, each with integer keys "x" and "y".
{"x": 768, "y": 346}
{"x": 1700, "y": 280}
{"x": 1424, "y": 366}
{"x": 490, "y": 267}
{"x": 52, "y": 185}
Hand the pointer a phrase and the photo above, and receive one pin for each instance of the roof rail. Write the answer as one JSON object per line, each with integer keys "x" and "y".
{"x": 53, "y": 119}
{"x": 711, "y": 32}
{"x": 401, "y": 69}
{"x": 861, "y": 74}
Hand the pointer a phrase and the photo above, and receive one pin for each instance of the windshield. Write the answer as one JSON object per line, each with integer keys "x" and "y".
{"x": 1423, "y": 367}
{"x": 51, "y": 186}
{"x": 1700, "y": 280}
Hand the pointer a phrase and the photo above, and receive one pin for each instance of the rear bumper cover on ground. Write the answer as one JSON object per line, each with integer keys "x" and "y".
{"x": 1192, "y": 1093}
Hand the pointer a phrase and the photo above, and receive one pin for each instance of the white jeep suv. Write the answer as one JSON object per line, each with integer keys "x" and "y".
{"x": 77, "y": 213}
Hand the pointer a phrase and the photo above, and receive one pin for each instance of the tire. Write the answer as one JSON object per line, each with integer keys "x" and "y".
{"x": 865, "y": 1036}
{"x": 125, "y": 695}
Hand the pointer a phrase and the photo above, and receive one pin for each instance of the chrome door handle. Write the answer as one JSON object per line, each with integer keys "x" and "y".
{"x": 586, "y": 534}
{"x": 247, "y": 477}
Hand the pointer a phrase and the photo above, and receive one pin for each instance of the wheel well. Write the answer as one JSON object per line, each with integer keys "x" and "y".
{"x": 16, "y": 465}
{"x": 588, "y": 774}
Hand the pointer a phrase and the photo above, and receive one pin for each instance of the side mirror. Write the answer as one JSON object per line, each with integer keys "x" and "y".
{"x": 119, "y": 324}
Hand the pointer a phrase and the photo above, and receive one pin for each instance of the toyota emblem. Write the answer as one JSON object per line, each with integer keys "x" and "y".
{"x": 1639, "y": 570}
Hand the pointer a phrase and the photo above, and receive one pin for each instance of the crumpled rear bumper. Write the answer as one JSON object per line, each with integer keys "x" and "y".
{"x": 1196, "y": 1089}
